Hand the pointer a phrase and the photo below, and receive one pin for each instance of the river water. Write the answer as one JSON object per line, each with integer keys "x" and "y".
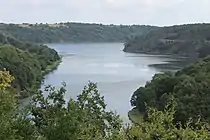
{"x": 118, "y": 74}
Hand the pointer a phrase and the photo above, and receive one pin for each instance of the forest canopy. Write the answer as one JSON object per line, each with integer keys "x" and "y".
{"x": 27, "y": 62}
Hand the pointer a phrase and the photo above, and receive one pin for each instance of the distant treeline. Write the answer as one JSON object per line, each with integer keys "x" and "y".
{"x": 73, "y": 32}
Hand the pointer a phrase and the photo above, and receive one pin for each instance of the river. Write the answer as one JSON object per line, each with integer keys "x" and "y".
{"x": 118, "y": 74}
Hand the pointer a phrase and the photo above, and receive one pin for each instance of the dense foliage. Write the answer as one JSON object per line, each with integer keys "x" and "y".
{"x": 167, "y": 102}
{"x": 179, "y": 39}
{"x": 24, "y": 66}
{"x": 44, "y": 54}
{"x": 73, "y": 32}
{"x": 26, "y": 62}
{"x": 189, "y": 87}
{"x": 86, "y": 118}
{"x": 160, "y": 126}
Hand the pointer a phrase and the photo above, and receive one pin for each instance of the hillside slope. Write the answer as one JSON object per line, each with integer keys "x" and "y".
{"x": 27, "y": 62}
{"x": 73, "y": 32}
{"x": 183, "y": 40}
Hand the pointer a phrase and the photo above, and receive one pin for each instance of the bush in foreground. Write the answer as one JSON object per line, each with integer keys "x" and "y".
{"x": 86, "y": 118}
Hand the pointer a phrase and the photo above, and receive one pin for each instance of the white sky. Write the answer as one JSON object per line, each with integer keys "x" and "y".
{"x": 152, "y": 12}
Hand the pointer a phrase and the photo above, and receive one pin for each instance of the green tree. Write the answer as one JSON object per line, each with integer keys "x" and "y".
{"x": 7, "y": 106}
{"x": 189, "y": 87}
{"x": 160, "y": 126}
{"x": 84, "y": 118}
{"x": 27, "y": 62}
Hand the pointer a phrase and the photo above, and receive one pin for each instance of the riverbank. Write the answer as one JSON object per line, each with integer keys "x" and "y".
{"x": 173, "y": 65}
{"x": 177, "y": 61}
{"x": 135, "y": 116}
{"x": 29, "y": 92}
{"x": 171, "y": 55}
{"x": 24, "y": 101}
{"x": 52, "y": 67}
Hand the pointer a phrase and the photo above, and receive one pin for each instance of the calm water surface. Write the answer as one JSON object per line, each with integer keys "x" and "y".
{"x": 117, "y": 74}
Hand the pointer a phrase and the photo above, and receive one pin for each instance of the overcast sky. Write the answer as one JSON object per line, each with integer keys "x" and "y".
{"x": 152, "y": 12}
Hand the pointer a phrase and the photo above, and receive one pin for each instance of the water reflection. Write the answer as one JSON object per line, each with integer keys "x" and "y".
{"x": 118, "y": 74}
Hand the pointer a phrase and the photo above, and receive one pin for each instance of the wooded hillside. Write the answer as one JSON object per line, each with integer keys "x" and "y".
{"x": 73, "y": 32}
{"x": 188, "y": 40}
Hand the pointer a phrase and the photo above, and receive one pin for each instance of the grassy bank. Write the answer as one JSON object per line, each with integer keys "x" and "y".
{"x": 52, "y": 67}
{"x": 135, "y": 116}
